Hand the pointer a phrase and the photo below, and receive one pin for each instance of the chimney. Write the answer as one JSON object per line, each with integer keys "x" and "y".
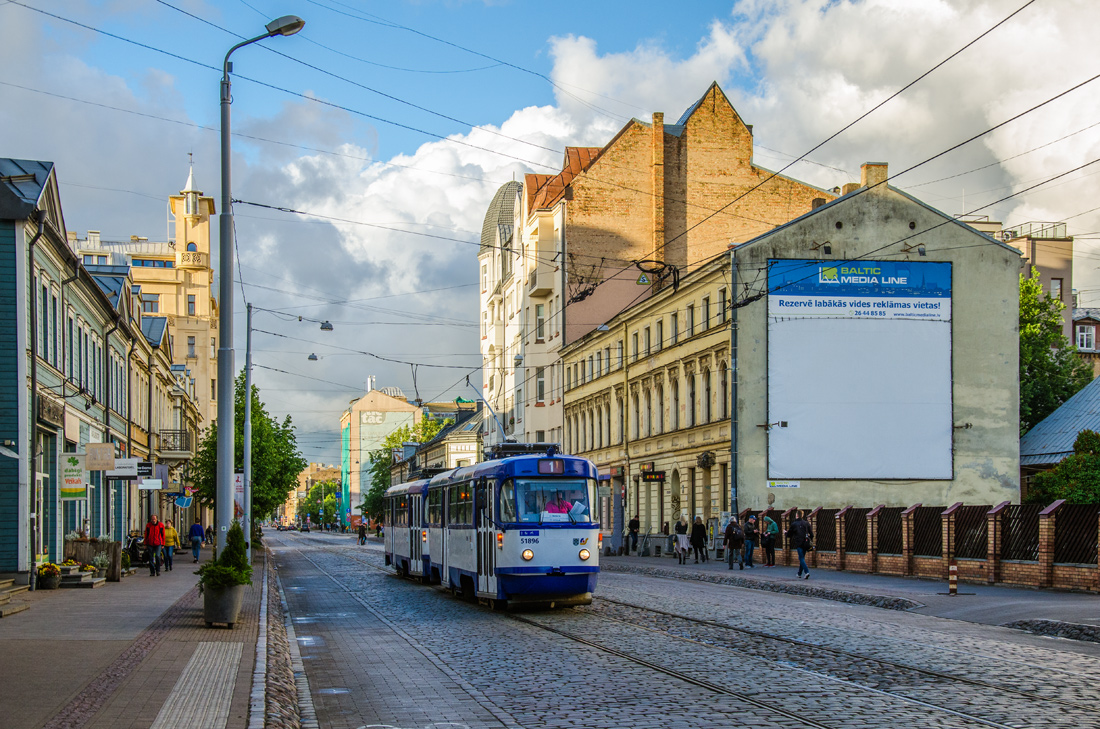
{"x": 873, "y": 174}
{"x": 93, "y": 239}
{"x": 817, "y": 202}
{"x": 658, "y": 144}
{"x": 850, "y": 187}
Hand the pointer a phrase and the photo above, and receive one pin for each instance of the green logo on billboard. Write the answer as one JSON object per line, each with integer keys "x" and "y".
{"x": 828, "y": 275}
{"x": 73, "y": 462}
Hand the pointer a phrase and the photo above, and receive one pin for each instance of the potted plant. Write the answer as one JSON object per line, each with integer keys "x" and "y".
{"x": 222, "y": 580}
{"x": 101, "y": 562}
{"x": 49, "y": 576}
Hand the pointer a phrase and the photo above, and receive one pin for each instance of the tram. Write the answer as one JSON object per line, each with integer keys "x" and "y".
{"x": 518, "y": 528}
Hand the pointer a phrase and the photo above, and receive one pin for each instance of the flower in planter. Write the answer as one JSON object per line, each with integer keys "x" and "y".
{"x": 87, "y": 568}
{"x": 70, "y": 563}
{"x": 49, "y": 569}
{"x": 101, "y": 561}
{"x": 73, "y": 535}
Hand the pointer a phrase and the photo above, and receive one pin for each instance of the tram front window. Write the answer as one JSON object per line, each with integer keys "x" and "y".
{"x": 553, "y": 500}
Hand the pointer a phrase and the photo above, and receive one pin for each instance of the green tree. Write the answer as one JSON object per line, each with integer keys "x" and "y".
{"x": 1076, "y": 479}
{"x": 381, "y": 460}
{"x": 1051, "y": 371}
{"x": 276, "y": 461}
{"x": 312, "y": 507}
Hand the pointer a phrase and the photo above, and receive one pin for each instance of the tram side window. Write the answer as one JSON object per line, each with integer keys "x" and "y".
{"x": 508, "y": 504}
{"x": 435, "y": 507}
{"x": 401, "y": 512}
{"x": 460, "y": 504}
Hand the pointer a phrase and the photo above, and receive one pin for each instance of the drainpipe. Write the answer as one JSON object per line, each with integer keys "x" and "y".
{"x": 149, "y": 431}
{"x": 40, "y": 216}
{"x": 129, "y": 409}
{"x": 619, "y": 503}
{"x": 733, "y": 383}
{"x": 107, "y": 419}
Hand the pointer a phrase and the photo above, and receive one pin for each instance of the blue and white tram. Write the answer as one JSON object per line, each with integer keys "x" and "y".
{"x": 518, "y": 529}
{"x": 406, "y": 537}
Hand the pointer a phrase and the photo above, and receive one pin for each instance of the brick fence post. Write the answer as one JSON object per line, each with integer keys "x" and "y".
{"x": 811, "y": 558}
{"x": 907, "y": 538}
{"x": 947, "y": 521}
{"x": 1096, "y": 581}
{"x": 841, "y": 537}
{"x": 994, "y": 520}
{"x": 872, "y": 538}
{"x": 1048, "y": 518}
{"x": 785, "y": 520}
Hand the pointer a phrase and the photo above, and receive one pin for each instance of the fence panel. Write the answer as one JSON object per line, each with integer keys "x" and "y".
{"x": 970, "y": 532}
{"x": 855, "y": 531}
{"x": 928, "y": 531}
{"x": 1020, "y": 532}
{"x": 1075, "y": 534}
{"x": 889, "y": 530}
{"x": 825, "y": 538}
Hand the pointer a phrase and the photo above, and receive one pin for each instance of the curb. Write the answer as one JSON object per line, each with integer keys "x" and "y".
{"x": 1057, "y": 629}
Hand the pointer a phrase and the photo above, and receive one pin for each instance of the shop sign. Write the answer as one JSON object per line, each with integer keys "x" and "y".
{"x": 125, "y": 468}
{"x": 99, "y": 456}
{"x": 74, "y": 479}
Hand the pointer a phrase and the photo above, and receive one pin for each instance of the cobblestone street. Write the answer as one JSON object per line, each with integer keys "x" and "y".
{"x": 656, "y": 652}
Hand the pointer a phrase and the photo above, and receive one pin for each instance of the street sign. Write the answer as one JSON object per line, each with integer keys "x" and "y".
{"x": 151, "y": 484}
{"x": 99, "y": 456}
{"x": 125, "y": 468}
{"x": 644, "y": 280}
{"x": 144, "y": 469}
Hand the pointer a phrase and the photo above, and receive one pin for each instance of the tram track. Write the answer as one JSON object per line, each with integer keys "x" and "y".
{"x": 814, "y": 646}
{"x": 944, "y": 681}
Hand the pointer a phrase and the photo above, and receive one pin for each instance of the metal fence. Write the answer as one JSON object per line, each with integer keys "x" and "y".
{"x": 889, "y": 530}
{"x": 855, "y": 531}
{"x": 971, "y": 541}
{"x": 825, "y": 538}
{"x": 1075, "y": 534}
{"x": 1020, "y": 532}
{"x": 928, "y": 531}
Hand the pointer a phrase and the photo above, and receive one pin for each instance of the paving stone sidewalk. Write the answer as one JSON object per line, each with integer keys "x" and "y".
{"x": 111, "y": 657}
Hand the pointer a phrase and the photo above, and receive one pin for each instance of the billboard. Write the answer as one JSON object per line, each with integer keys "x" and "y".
{"x": 859, "y": 370}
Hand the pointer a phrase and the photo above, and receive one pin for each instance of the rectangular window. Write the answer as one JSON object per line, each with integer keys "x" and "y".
{"x": 191, "y": 347}
{"x": 484, "y": 278}
{"x": 484, "y": 324}
{"x": 660, "y": 340}
{"x": 689, "y": 324}
{"x": 674, "y": 322}
{"x": 540, "y": 322}
{"x": 647, "y": 340}
{"x": 213, "y": 389}
{"x": 44, "y": 351}
{"x": 213, "y": 347}
{"x": 540, "y": 385}
{"x": 53, "y": 331}
{"x": 101, "y": 259}
{"x": 89, "y": 259}
{"x": 721, "y": 306}
{"x": 706, "y": 313}
{"x": 607, "y": 359}
{"x": 150, "y": 303}
{"x": 620, "y": 347}
{"x": 634, "y": 347}
{"x": 1086, "y": 334}
{"x": 1056, "y": 288}
{"x": 190, "y": 305}
{"x": 540, "y": 437}
{"x": 69, "y": 350}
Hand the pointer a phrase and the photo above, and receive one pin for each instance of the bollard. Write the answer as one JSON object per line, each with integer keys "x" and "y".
{"x": 953, "y": 579}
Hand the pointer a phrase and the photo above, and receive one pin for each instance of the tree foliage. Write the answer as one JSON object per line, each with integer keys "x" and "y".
{"x": 1051, "y": 371}
{"x": 312, "y": 507}
{"x": 276, "y": 461}
{"x": 381, "y": 460}
{"x": 1076, "y": 479}
{"x": 231, "y": 567}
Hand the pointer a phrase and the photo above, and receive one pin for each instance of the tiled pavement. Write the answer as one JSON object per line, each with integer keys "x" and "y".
{"x": 111, "y": 657}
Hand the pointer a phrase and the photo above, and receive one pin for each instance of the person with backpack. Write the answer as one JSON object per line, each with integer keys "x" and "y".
{"x": 771, "y": 534}
{"x": 733, "y": 540}
{"x": 801, "y": 538}
{"x": 751, "y": 535}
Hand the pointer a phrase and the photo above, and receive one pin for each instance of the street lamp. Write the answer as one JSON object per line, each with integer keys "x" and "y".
{"x": 286, "y": 25}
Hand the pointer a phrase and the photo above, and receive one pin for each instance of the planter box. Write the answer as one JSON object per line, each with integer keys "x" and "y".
{"x": 222, "y": 606}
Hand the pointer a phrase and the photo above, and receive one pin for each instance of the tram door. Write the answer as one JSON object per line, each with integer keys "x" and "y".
{"x": 415, "y": 548}
{"x": 486, "y": 537}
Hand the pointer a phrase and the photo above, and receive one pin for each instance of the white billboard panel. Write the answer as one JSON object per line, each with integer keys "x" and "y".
{"x": 859, "y": 370}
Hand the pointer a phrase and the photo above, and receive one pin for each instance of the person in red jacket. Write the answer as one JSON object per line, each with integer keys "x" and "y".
{"x": 154, "y": 542}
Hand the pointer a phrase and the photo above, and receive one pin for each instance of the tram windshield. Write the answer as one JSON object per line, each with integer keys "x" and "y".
{"x": 548, "y": 500}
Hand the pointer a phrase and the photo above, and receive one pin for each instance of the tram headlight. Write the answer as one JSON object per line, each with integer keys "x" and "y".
{"x": 584, "y": 554}
{"x": 528, "y": 555}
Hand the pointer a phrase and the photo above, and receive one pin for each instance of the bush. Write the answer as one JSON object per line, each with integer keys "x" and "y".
{"x": 230, "y": 567}
{"x": 125, "y": 560}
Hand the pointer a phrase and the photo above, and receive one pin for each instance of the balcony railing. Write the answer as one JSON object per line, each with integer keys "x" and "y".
{"x": 175, "y": 440}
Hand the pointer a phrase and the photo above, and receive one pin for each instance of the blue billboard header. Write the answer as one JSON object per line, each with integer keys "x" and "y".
{"x": 891, "y": 279}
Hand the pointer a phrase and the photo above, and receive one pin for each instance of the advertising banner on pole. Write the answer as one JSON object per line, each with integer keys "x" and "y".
{"x": 238, "y": 495}
{"x": 74, "y": 479}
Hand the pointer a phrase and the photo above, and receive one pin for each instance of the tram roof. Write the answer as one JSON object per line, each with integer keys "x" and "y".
{"x": 521, "y": 465}
{"x": 411, "y": 487}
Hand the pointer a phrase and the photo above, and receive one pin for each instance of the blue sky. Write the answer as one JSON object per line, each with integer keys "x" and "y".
{"x": 797, "y": 70}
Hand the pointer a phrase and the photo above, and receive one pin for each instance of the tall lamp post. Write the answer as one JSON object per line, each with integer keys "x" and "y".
{"x": 286, "y": 25}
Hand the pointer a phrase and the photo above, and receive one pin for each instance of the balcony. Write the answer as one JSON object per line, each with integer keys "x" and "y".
{"x": 175, "y": 445}
{"x": 540, "y": 282}
{"x": 192, "y": 260}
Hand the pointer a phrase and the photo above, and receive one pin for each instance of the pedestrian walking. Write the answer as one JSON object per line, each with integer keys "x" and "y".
{"x": 171, "y": 543}
{"x": 733, "y": 540}
{"x": 197, "y": 535}
{"x": 632, "y": 527}
{"x": 699, "y": 539}
{"x": 682, "y": 544}
{"x": 751, "y": 537}
{"x": 800, "y": 536}
{"x": 362, "y": 533}
{"x": 209, "y": 534}
{"x": 154, "y": 543}
{"x": 771, "y": 534}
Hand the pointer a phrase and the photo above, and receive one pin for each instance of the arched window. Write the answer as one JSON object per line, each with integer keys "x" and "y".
{"x": 191, "y": 247}
{"x": 707, "y": 411}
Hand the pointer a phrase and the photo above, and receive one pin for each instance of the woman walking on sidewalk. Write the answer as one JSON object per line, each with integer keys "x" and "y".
{"x": 699, "y": 539}
{"x": 801, "y": 538}
{"x": 682, "y": 545}
{"x": 771, "y": 533}
{"x": 197, "y": 535}
{"x": 171, "y": 541}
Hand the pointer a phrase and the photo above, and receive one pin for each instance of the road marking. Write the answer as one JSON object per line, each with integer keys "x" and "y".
{"x": 203, "y": 693}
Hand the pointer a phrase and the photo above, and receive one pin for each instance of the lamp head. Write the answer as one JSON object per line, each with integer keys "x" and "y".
{"x": 286, "y": 25}
{"x": 326, "y": 326}
{"x": 312, "y": 357}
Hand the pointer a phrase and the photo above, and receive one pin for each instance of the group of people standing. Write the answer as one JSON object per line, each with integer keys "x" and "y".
{"x": 741, "y": 542}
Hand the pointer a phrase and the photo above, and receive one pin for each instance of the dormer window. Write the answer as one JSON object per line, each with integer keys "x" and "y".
{"x": 192, "y": 203}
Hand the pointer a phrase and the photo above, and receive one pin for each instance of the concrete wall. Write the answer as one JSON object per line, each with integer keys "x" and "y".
{"x": 985, "y": 301}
